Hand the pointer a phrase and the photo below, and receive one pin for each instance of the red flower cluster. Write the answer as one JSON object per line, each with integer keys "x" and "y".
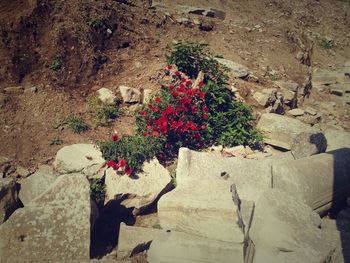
{"x": 180, "y": 117}
{"x": 121, "y": 165}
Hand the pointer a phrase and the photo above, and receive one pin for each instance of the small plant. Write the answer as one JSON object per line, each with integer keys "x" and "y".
{"x": 326, "y": 43}
{"x": 56, "y": 63}
{"x": 129, "y": 152}
{"x": 103, "y": 114}
{"x": 76, "y": 123}
{"x": 191, "y": 58}
{"x": 56, "y": 141}
{"x": 98, "y": 191}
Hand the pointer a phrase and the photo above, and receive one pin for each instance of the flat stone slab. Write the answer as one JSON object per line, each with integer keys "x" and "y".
{"x": 53, "y": 227}
{"x": 337, "y": 139}
{"x": 280, "y": 130}
{"x": 237, "y": 70}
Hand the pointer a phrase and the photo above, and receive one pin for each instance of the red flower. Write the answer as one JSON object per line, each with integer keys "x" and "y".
{"x": 169, "y": 67}
{"x": 205, "y": 108}
{"x": 205, "y": 116}
{"x": 158, "y": 100}
{"x": 200, "y": 84}
{"x": 128, "y": 170}
{"x": 171, "y": 87}
{"x": 111, "y": 163}
{"x": 183, "y": 79}
{"x": 189, "y": 83}
{"x": 145, "y": 134}
{"x": 202, "y": 95}
{"x": 122, "y": 163}
{"x": 143, "y": 113}
{"x": 203, "y": 127}
{"x": 115, "y": 137}
{"x": 175, "y": 94}
{"x": 155, "y": 133}
{"x": 178, "y": 73}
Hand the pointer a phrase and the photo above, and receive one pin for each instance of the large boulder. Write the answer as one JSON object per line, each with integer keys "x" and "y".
{"x": 54, "y": 227}
{"x": 321, "y": 180}
{"x": 337, "y": 139}
{"x": 281, "y": 131}
{"x": 80, "y": 158}
{"x": 8, "y": 198}
{"x": 34, "y": 185}
{"x": 287, "y": 230}
{"x": 307, "y": 144}
{"x": 139, "y": 193}
{"x": 201, "y": 204}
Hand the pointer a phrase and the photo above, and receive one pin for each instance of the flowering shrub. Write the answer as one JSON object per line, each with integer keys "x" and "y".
{"x": 178, "y": 114}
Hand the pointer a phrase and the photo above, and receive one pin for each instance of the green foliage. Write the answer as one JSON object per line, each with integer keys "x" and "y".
{"x": 76, "y": 123}
{"x": 56, "y": 141}
{"x": 57, "y": 63}
{"x": 191, "y": 58}
{"x": 230, "y": 122}
{"x": 102, "y": 113}
{"x": 133, "y": 149}
{"x": 326, "y": 43}
{"x": 98, "y": 190}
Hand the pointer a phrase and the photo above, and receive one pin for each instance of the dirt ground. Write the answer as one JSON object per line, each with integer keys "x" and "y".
{"x": 109, "y": 43}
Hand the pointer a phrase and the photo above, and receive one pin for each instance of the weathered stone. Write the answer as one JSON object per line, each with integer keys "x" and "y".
{"x": 289, "y": 97}
{"x": 80, "y": 158}
{"x": 140, "y": 193}
{"x": 177, "y": 247}
{"x": 288, "y": 85}
{"x": 55, "y": 227}
{"x": 21, "y": 171}
{"x": 206, "y": 26}
{"x": 191, "y": 208}
{"x": 307, "y": 144}
{"x": 337, "y": 139}
{"x": 106, "y": 96}
{"x": 237, "y": 70}
{"x": 266, "y": 97}
{"x": 286, "y": 230}
{"x": 8, "y": 198}
{"x": 342, "y": 225}
{"x": 296, "y": 112}
{"x": 311, "y": 111}
{"x": 321, "y": 181}
{"x": 133, "y": 239}
{"x": 130, "y": 95}
{"x": 34, "y": 185}
{"x": 323, "y": 79}
{"x": 280, "y": 131}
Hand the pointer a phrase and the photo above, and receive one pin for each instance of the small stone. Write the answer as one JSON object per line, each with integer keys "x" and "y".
{"x": 106, "y": 96}
{"x": 31, "y": 90}
{"x": 300, "y": 56}
{"x": 290, "y": 85}
{"x": 130, "y": 95}
{"x": 196, "y": 21}
{"x": 311, "y": 111}
{"x": 296, "y": 112}
{"x": 109, "y": 31}
{"x": 22, "y": 172}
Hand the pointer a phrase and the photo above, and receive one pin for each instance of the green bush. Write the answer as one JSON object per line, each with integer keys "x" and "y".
{"x": 102, "y": 113}
{"x": 133, "y": 149}
{"x": 76, "y": 123}
{"x": 191, "y": 58}
{"x": 57, "y": 63}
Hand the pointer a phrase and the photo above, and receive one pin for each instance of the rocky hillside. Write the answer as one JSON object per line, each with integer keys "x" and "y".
{"x": 74, "y": 73}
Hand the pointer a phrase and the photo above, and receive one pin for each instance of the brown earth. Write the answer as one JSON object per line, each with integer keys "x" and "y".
{"x": 108, "y": 43}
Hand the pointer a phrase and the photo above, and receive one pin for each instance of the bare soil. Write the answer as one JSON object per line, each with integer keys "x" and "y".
{"x": 109, "y": 43}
